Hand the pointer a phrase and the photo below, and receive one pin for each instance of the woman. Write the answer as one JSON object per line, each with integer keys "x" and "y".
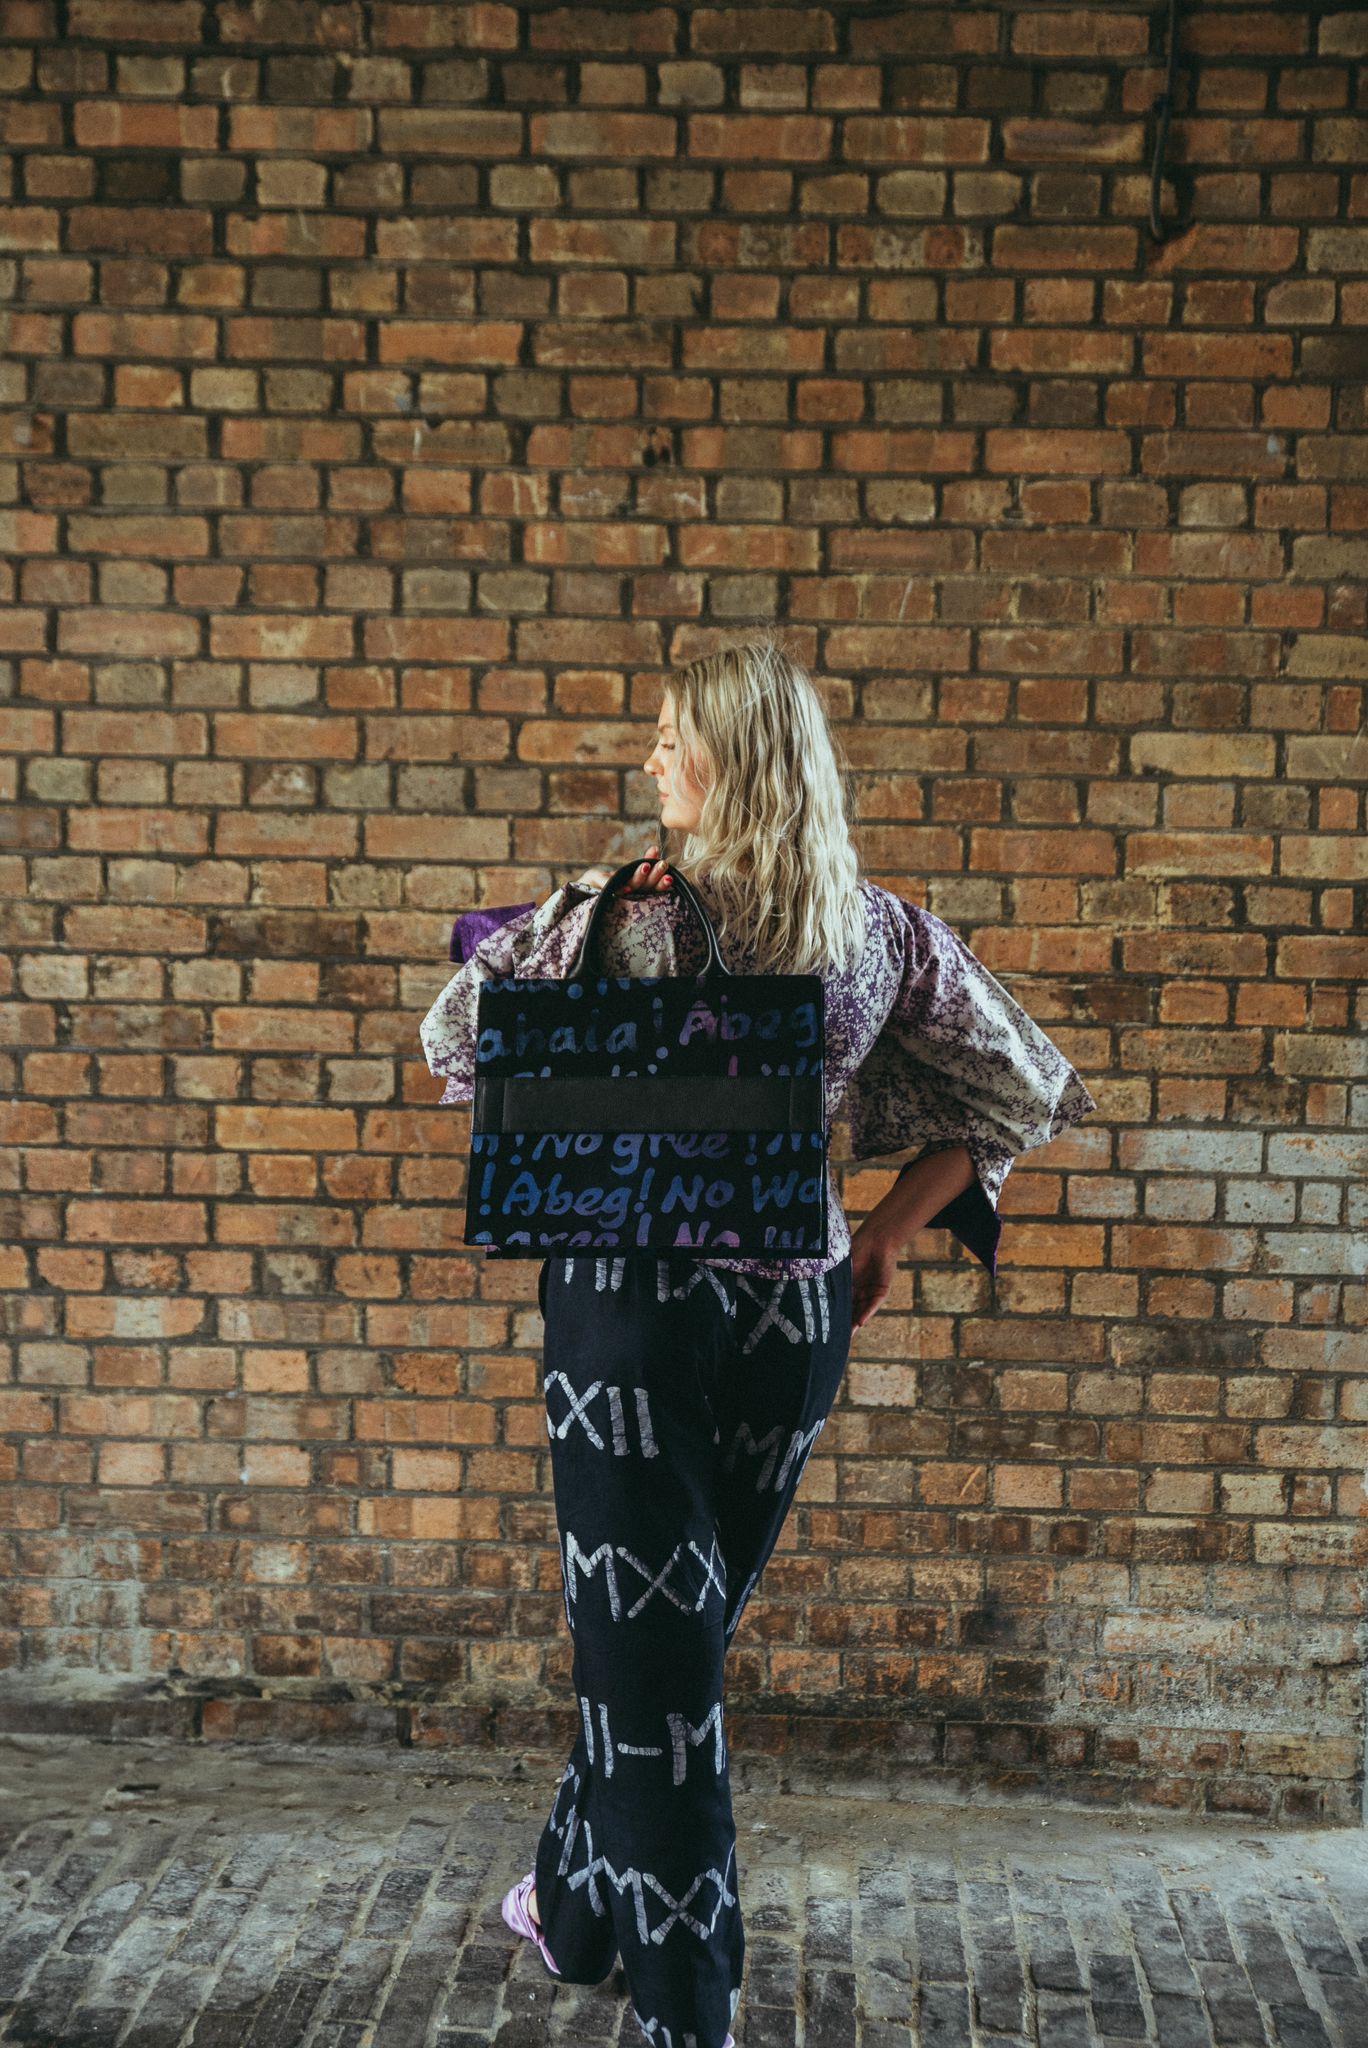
{"x": 684, "y": 1393}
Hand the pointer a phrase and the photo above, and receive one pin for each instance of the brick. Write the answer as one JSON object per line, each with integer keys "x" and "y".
{"x": 1189, "y": 754}
{"x": 1059, "y": 350}
{"x": 725, "y": 32}
{"x": 610, "y": 136}
{"x": 647, "y": 31}
{"x": 1069, "y": 33}
{"x": 1265, "y": 249}
{"x": 897, "y": 452}
{"x": 108, "y": 124}
{"x": 1026, "y": 450}
{"x": 904, "y": 139}
{"x": 635, "y": 243}
{"x": 749, "y": 138}
{"x": 1211, "y": 355}
{"x": 691, "y": 85}
{"x": 492, "y": 342}
{"x": 1064, "y": 248}
{"x": 1212, "y": 454}
{"x": 140, "y": 231}
{"x": 1059, "y": 141}
{"x": 442, "y": 131}
{"x": 29, "y": 228}
{"x": 1194, "y": 852}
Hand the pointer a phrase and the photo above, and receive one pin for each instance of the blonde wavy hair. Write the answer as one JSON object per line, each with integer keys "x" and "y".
{"x": 772, "y": 851}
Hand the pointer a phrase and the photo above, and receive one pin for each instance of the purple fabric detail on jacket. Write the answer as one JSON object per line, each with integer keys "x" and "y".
{"x": 474, "y": 925}
{"x": 925, "y": 1048}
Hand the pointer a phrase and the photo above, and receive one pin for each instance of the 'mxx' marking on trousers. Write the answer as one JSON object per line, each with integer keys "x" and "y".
{"x": 640, "y": 1883}
{"x": 578, "y": 1562}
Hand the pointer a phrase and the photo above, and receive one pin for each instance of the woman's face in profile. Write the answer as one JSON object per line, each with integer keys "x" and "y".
{"x": 681, "y": 796}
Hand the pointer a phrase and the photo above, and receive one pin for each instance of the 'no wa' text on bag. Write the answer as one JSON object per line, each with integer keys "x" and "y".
{"x": 681, "y": 1113}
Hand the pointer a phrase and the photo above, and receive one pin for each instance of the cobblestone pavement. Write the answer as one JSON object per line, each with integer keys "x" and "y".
{"x": 163, "y": 1895}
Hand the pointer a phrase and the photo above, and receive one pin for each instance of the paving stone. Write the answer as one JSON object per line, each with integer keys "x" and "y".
{"x": 161, "y": 2016}
{"x": 44, "y": 2010}
{"x": 179, "y": 1886}
{"x": 216, "y": 1923}
{"x": 1053, "y": 1960}
{"x": 828, "y": 1931}
{"x": 1180, "y": 2022}
{"x": 74, "y": 1878}
{"x": 22, "y": 1950}
{"x": 888, "y": 1987}
{"x": 1299, "y": 2027}
{"x": 134, "y": 1959}
{"x": 33, "y": 1849}
{"x": 284, "y": 2019}
{"x": 396, "y": 1902}
{"x": 1324, "y": 1948}
{"x": 1064, "y": 2022}
{"x": 423, "y": 1841}
{"x": 106, "y": 1914}
{"x": 999, "y": 1990}
{"x": 1204, "y": 1930}
{"x": 944, "y": 2016}
{"x": 830, "y": 2006}
{"x": 774, "y": 1969}
{"x": 97, "y": 2027}
{"x": 360, "y": 1970}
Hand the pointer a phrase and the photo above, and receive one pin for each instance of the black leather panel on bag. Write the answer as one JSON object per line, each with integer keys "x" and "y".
{"x": 744, "y": 1102}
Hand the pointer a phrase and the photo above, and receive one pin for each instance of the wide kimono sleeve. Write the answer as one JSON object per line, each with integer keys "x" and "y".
{"x": 958, "y": 1061}
{"x": 640, "y": 935}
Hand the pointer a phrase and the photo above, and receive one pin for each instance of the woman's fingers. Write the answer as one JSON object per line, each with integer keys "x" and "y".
{"x": 866, "y": 1306}
{"x": 871, "y": 1280}
{"x": 650, "y": 872}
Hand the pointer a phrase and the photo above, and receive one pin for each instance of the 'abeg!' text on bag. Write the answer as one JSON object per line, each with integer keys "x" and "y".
{"x": 658, "y": 1113}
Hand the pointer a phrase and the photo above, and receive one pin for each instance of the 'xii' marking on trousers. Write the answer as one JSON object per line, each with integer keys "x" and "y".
{"x": 617, "y": 1416}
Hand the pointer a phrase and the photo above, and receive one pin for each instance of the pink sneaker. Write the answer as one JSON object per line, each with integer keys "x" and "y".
{"x": 518, "y": 1915}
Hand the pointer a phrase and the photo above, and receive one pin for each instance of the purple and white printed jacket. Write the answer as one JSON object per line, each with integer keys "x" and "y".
{"x": 924, "y": 1047}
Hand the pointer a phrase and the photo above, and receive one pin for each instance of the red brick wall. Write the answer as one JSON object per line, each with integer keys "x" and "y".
{"x": 389, "y": 394}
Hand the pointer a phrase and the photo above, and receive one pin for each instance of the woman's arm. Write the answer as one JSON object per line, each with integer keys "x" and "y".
{"x": 920, "y": 1192}
{"x": 473, "y": 925}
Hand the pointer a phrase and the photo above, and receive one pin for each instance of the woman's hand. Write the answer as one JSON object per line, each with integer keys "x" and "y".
{"x": 873, "y": 1266}
{"x": 919, "y": 1193}
{"x": 649, "y": 877}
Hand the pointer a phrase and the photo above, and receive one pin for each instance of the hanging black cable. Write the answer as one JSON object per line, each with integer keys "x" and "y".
{"x": 1163, "y": 108}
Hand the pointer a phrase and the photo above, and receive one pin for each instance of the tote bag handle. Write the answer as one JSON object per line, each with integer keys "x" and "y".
{"x": 682, "y": 887}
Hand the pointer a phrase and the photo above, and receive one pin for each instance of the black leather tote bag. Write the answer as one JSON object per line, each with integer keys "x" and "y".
{"x": 683, "y": 1113}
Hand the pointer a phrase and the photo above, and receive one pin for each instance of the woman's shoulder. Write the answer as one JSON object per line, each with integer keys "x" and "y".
{"x": 888, "y": 915}
{"x": 911, "y": 933}
{"x": 908, "y": 916}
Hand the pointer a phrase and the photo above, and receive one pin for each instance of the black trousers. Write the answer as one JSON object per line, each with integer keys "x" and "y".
{"x": 682, "y": 1402}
